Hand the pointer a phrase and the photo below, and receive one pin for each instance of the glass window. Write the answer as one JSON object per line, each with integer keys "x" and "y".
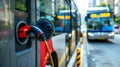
{"x": 57, "y": 11}
{"x": 21, "y": 5}
{"x": 5, "y": 24}
{"x": 62, "y": 19}
{"x": 47, "y": 9}
{"x": 21, "y": 8}
{"x": 97, "y": 23}
{"x": 2, "y": 10}
{"x": 38, "y": 10}
{"x": 93, "y": 23}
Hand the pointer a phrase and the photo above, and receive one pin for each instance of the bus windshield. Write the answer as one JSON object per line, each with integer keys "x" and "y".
{"x": 97, "y": 23}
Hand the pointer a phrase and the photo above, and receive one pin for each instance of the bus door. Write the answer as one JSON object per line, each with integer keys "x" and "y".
{"x": 25, "y": 48}
{"x": 16, "y": 51}
{"x": 6, "y": 35}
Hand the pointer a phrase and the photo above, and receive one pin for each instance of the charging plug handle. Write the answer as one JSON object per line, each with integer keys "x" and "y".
{"x": 38, "y": 32}
{"x": 24, "y": 31}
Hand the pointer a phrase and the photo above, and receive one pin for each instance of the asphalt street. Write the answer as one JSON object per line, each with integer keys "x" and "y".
{"x": 103, "y": 53}
{"x": 97, "y": 53}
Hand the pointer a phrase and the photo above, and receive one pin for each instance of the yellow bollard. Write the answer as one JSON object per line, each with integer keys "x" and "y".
{"x": 70, "y": 44}
{"x": 82, "y": 38}
{"x": 78, "y": 57}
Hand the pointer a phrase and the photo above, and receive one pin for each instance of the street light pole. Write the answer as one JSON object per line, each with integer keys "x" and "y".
{"x": 113, "y": 9}
{"x": 113, "y": 5}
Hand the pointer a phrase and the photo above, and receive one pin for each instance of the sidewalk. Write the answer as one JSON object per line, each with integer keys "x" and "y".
{"x": 72, "y": 62}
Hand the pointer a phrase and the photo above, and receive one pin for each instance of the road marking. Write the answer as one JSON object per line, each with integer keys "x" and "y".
{"x": 61, "y": 60}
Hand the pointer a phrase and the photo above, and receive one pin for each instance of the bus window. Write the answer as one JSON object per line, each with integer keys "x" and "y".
{"x": 5, "y": 26}
{"x": 21, "y": 9}
{"x": 59, "y": 26}
{"x": 47, "y": 9}
{"x": 2, "y": 10}
{"x": 21, "y": 5}
{"x": 93, "y": 24}
{"x": 62, "y": 16}
{"x": 38, "y": 10}
{"x": 107, "y": 22}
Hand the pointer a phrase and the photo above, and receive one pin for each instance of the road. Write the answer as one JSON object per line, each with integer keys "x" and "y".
{"x": 104, "y": 53}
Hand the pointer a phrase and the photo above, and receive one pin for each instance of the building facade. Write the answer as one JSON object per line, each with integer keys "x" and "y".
{"x": 92, "y": 3}
{"x": 117, "y": 7}
{"x": 98, "y": 2}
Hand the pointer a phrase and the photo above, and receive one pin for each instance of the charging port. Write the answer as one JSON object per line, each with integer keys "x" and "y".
{"x": 21, "y": 36}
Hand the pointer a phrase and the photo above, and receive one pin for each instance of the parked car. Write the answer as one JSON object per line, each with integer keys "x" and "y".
{"x": 117, "y": 29}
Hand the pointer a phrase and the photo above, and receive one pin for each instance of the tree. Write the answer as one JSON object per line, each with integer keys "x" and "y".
{"x": 102, "y": 4}
{"x": 117, "y": 20}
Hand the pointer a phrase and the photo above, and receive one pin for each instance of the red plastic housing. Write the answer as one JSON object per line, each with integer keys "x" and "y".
{"x": 22, "y": 32}
{"x": 44, "y": 55}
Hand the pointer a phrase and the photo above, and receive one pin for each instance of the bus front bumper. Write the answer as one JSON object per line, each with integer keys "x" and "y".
{"x": 100, "y": 35}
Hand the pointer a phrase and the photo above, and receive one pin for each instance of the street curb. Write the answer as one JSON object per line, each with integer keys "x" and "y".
{"x": 72, "y": 62}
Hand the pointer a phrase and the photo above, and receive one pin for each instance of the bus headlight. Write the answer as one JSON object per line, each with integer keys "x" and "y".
{"x": 70, "y": 35}
{"x": 90, "y": 34}
{"x": 111, "y": 34}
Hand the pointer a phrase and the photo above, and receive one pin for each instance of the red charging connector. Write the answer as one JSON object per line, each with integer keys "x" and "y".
{"x": 22, "y": 32}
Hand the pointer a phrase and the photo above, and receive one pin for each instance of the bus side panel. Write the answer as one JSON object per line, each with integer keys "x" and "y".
{"x": 6, "y": 35}
{"x": 13, "y": 54}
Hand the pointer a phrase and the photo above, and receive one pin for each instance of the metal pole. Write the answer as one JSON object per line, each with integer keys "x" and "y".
{"x": 82, "y": 39}
{"x": 70, "y": 38}
{"x": 113, "y": 7}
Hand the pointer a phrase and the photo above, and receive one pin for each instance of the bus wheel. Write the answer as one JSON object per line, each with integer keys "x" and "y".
{"x": 55, "y": 60}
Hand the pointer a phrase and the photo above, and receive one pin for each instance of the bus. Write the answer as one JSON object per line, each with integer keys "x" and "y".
{"x": 68, "y": 21}
{"x": 100, "y": 23}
